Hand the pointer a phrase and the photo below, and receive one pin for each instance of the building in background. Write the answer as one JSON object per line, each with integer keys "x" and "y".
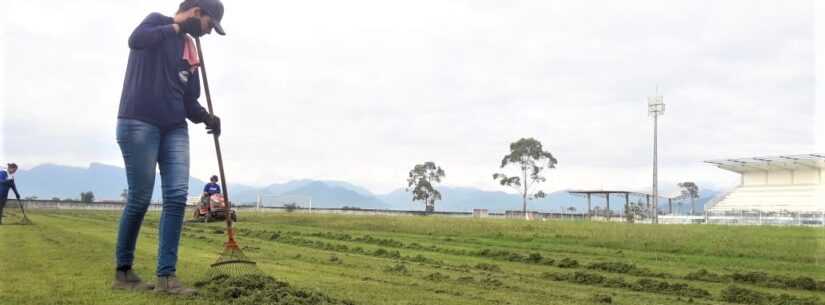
{"x": 781, "y": 190}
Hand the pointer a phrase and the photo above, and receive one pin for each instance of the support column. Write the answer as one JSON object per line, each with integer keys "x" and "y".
{"x": 647, "y": 202}
{"x": 626, "y": 202}
{"x": 589, "y": 210}
{"x": 608, "y": 205}
{"x": 670, "y": 206}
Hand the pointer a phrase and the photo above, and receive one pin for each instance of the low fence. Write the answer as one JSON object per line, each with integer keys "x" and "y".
{"x": 78, "y": 205}
{"x": 816, "y": 218}
{"x": 784, "y": 218}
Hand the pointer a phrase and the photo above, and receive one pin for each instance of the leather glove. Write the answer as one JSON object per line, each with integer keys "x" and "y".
{"x": 191, "y": 26}
{"x": 213, "y": 124}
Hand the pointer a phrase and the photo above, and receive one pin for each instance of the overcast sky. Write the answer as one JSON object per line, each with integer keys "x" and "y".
{"x": 363, "y": 90}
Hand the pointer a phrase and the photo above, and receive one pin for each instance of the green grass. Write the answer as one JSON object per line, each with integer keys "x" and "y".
{"x": 67, "y": 258}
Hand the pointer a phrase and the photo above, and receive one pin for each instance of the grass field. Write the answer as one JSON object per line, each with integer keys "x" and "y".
{"x": 67, "y": 258}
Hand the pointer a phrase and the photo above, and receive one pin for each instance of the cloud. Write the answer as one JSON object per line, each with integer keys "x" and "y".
{"x": 363, "y": 90}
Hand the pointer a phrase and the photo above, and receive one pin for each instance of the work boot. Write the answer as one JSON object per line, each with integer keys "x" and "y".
{"x": 128, "y": 280}
{"x": 171, "y": 285}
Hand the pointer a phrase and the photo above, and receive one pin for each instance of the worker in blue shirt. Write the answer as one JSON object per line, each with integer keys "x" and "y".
{"x": 160, "y": 92}
{"x": 6, "y": 184}
{"x": 212, "y": 187}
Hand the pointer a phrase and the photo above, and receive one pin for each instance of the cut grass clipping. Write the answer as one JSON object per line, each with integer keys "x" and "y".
{"x": 257, "y": 289}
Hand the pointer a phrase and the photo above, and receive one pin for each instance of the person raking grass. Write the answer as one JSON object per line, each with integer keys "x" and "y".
{"x": 6, "y": 184}
{"x": 160, "y": 91}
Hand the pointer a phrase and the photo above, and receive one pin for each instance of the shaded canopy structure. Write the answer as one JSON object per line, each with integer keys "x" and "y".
{"x": 589, "y": 194}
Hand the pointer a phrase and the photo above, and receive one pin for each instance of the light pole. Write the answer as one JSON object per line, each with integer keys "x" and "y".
{"x": 655, "y": 108}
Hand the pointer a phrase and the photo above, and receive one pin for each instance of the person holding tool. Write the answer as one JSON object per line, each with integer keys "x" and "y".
{"x": 6, "y": 184}
{"x": 160, "y": 91}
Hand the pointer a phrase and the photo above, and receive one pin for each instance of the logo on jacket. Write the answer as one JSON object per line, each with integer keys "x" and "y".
{"x": 184, "y": 76}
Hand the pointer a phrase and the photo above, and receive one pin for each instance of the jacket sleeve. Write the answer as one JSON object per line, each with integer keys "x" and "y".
{"x": 194, "y": 111}
{"x": 151, "y": 32}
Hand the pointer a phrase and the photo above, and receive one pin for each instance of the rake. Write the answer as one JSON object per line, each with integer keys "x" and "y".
{"x": 23, "y": 219}
{"x": 232, "y": 261}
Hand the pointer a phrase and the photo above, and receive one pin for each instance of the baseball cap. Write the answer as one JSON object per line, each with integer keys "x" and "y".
{"x": 212, "y": 8}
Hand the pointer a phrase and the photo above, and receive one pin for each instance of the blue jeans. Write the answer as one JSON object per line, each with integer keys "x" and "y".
{"x": 144, "y": 146}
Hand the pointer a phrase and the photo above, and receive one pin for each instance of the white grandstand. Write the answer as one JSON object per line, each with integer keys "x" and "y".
{"x": 773, "y": 190}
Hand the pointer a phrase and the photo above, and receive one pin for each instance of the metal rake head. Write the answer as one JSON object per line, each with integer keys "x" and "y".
{"x": 232, "y": 260}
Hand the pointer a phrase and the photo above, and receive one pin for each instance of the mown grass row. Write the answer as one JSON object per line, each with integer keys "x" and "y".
{"x": 753, "y": 278}
{"x": 479, "y": 266}
{"x": 645, "y": 285}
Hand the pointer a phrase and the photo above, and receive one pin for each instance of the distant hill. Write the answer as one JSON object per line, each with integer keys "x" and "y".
{"x": 466, "y": 199}
{"x": 107, "y": 182}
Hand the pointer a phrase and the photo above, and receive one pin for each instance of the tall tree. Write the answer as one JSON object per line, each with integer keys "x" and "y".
{"x": 529, "y": 156}
{"x": 691, "y": 191}
{"x": 420, "y": 182}
{"x": 87, "y": 197}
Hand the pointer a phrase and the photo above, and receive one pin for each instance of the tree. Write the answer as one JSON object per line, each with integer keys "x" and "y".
{"x": 55, "y": 198}
{"x": 420, "y": 182}
{"x": 691, "y": 191}
{"x": 531, "y": 158}
{"x": 87, "y": 197}
{"x": 291, "y": 207}
{"x": 635, "y": 211}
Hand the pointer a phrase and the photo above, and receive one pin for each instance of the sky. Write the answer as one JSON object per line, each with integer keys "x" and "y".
{"x": 362, "y": 90}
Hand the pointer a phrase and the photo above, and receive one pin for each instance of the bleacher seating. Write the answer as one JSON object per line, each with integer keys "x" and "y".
{"x": 774, "y": 198}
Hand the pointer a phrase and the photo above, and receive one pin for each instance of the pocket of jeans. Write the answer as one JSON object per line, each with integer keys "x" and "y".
{"x": 131, "y": 131}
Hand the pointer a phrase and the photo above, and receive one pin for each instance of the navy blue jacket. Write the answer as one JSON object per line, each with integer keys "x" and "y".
{"x": 5, "y": 184}
{"x": 159, "y": 88}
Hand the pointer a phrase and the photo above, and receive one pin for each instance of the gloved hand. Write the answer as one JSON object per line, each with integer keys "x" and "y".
{"x": 192, "y": 26}
{"x": 213, "y": 124}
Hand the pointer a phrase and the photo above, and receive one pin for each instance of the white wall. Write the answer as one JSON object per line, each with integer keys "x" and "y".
{"x": 806, "y": 177}
{"x": 779, "y": 177}
{"x": 754, "y": 178}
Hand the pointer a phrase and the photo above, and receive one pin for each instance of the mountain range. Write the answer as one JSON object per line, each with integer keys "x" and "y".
{"x": 107, "y": 182}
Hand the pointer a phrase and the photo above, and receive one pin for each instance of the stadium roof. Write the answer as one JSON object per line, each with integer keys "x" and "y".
{"x": 614, "y": 192}
{"x": 784, "y": 162}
